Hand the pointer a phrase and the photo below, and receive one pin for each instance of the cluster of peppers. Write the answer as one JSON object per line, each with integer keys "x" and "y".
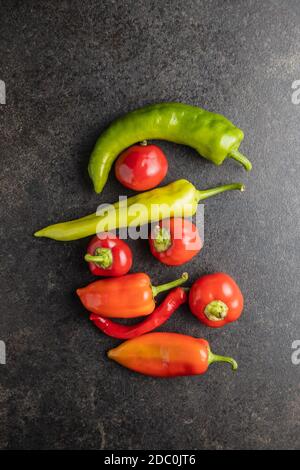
{"x": 215, "y": 299}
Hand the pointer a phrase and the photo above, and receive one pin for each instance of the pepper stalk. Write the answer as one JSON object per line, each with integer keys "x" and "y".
{"x": 102, "y": 257}
{"x": 216, "y": 358}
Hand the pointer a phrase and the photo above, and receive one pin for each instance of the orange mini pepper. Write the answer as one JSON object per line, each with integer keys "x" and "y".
{"x": 127, "y": 296}
{"x": 167, "y": 355}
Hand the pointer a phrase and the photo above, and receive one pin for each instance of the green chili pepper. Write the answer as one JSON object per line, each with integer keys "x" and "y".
{"x": 210, "y": 134}
{"x": 178, "y": 199}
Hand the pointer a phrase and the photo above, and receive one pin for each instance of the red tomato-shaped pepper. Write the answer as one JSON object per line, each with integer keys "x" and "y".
{"x": 107, "y": 255}
{"x": 175, "y": 241}
{"x": 141, "y": 167}
{"x": 216, "y": 299}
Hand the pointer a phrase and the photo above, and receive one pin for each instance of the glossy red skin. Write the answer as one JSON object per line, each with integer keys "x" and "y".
{"x": 141, "y": 167}
{"x": 158, "y": 317}
{"x": 121, "y": 253}
{"x": 129, "y": 296}
{"x": 217, "y": 286}
{"x": 182, "y": 249}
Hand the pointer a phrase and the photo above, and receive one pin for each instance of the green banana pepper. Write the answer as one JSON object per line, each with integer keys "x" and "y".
{"x": 176, "y": 199}
{"x": 210, "y": 134}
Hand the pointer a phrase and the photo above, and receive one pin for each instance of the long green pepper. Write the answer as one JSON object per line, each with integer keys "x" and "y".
{"x": 210, "y": 134}
{"x": 176, "y": 199}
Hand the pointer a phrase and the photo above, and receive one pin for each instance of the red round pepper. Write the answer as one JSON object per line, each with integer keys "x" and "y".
{"x": 107, "y": 255}
{"x": 167, "y": 355}
{"x": 216, "y": 299}
{"x": 141, "y": 167}
{"x": 160, "y": 315}
{"x": 175, "y": 241}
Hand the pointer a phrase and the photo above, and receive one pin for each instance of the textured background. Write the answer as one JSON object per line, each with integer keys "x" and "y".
{"x": 70, "y": 68}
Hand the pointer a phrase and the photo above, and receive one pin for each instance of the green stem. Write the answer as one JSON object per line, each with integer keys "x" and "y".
{"x": 162, "y": 239}
{"x": 239, "y": 157}
{"x": 206, "y": 193}
{"x": 102, "y": 257}
{"x": 215, "y": 358}
{"x": 169, "y": 285}
{"x": 216, "y": 310}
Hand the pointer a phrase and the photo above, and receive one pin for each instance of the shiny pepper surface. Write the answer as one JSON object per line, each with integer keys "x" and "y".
{"x": 167, "y": 355}
{"x": 210, "y": 134}
{"x": 127, "y": 296}
{"x": 177, "y": 199}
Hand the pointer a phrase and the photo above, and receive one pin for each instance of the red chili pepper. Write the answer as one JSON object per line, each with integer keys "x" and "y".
{"x": 141, "y": 167}
{"x": 124, "y": 297}
{"x": 175, "y": 241}
{"x": 107, "y": 255}
{"x": 216, "y": 299}
{"x": 160, "y": 315}
{"x": 167, "y": 355}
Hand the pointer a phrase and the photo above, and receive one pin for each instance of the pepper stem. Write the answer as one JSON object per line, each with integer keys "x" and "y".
{"x": 216, "y": 310}
{"x": 206, "y": 193}
{"x": 169, "y": 285}
{"x": 239, "y": 157}
{"x": 102, "y": 257}
{"x": 215, "y": 358}
{"x": 162, "y": 240}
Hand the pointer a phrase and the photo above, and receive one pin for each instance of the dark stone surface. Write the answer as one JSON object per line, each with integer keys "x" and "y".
{"x": 71, "y": 67}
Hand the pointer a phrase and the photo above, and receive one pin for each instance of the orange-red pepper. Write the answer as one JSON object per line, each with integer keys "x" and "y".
{"x": 127, "y": 296}
{"x": 167, "y": 355}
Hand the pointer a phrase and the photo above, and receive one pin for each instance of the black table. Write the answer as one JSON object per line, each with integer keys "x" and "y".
{"x": 70, "y": 68}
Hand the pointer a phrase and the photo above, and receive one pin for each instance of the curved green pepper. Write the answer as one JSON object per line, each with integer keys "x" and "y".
{"x": 210, "y": 134}
{"x": 177, "y": 199}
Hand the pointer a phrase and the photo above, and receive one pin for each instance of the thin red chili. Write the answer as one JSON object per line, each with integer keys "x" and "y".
{"x": 160, "y": 315}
